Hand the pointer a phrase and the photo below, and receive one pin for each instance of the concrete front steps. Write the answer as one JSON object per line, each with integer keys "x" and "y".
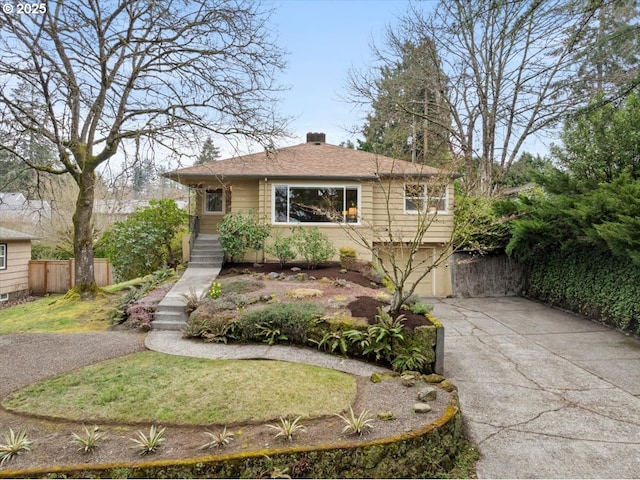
{"x": 204, "y": 267}
{"x": 206, "y": 252}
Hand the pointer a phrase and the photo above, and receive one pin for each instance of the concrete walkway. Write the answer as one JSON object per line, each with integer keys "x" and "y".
{"x": 173, "y": 344}
{"x": 545, "y": 394}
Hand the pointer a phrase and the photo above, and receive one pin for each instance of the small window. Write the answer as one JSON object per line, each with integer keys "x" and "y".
{"x": 214, "y": 201}
{"x": 415, "y": 197}
{"x": 420, "y": 198}
{"x": 3, "y": 256}
{"x": 4, "y": 297}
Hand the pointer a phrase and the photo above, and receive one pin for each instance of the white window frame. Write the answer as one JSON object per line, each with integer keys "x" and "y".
{"x": 344, "y": 186}
{"x": 425, "y": 199}
{"x": 3, "y": 256}
{"x": 205, "y": 203}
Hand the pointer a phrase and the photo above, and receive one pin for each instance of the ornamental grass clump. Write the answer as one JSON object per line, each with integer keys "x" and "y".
{"x": 89, "y": 440}
{"x": 218, "y": 439}
{"x": 15, "y": 444}
{"x": 357, "y": 425}
{"x": 287, "y": 428}
{"x": 149, "y": 444}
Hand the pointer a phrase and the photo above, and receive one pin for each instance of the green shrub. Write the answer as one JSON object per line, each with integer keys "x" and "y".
{"x": 143, "y": 243}
{"x": 291, "y": 320}
{"x": 241, "y": 232}
{"x": 313, "y": 245}
{"x": 283, "y": 248}
{"x": 592, "y": 283}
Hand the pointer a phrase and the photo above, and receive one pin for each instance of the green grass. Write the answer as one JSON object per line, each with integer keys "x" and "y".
{"x": 58, "y": 314}
{"x": 64, "y": 314}
{"x": 153, "y": 387}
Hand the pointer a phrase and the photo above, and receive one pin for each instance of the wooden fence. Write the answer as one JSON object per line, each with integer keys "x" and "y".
{"x": 57, "y": 276}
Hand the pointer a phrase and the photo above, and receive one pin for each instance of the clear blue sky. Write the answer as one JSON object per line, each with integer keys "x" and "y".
{"x": 324, "y": 39}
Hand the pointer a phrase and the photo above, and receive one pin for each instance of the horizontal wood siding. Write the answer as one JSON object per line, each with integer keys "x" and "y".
{"x": 388, "y": 216}
{"x": 16, "y": 276}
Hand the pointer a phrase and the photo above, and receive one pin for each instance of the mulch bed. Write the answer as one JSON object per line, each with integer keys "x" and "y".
{"x": 365, "y": 307}
{"x": 328, "y": 270}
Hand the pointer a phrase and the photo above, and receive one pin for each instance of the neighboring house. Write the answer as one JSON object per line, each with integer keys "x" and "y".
{"x": 15, "y": 253}
{"x": 342, "y": 191}
{"x": 17, "y": 211}
{"x": 107, "y": 212}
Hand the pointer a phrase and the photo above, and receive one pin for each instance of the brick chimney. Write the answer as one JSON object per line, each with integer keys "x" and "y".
{"x": 316, "y": 138}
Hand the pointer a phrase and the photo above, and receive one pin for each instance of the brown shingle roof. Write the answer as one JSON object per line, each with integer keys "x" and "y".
{"x": 307, "y": 160}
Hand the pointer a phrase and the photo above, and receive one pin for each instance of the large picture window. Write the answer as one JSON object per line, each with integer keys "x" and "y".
{"x": 3, "y": 256}
{"x": 214, "y": 201}
{"x": 420, "y": 198}
{"x": 316, "y": 204}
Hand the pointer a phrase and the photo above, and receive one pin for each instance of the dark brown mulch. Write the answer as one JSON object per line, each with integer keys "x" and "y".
{"x": 328, "y": 270}
{"x": 367, "y": 307}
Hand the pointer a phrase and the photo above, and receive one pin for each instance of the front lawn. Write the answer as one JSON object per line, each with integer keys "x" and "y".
{"x": 153, "y": 387}
{"x": 56, "y": 314}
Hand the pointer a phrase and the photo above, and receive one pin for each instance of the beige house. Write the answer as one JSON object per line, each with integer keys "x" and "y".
{"x": 365, "y": 201}
{"x": 15, "y": 253}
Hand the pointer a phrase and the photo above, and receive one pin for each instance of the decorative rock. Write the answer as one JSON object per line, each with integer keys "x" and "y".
{"x": 343, "y": 270}
{"x": 290, "y": 278}
{"x": 421, "y": 408}
{"x": 386, "y": 416}
{"x": 427, "y": 394}
{"x": 257, "y": 265}
{"x": 295, "y": 269}
{"x": 273, "y": 276}
{"x": 408, "y": 381}
{"x": 433, "y": 378}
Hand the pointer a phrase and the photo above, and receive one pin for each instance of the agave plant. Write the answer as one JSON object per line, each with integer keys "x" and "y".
{"x": 89, "y": 440}
{"x": 287, "y": 428}
{"x": 14, "y": 445}
{"x": 217, "y": 440}
{"x": 149, "y": 444}
{"x": 357, "y": 425}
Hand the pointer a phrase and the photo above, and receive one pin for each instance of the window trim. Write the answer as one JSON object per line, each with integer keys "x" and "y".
{"x": 426, "y": 200}
{"x": 204, "y": 201}
{"x": 344, "y": 186}
{"x": 3, "y": 249}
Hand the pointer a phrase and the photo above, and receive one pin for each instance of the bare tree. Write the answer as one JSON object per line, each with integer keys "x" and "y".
{"x": 412, "y": 217}
{"x": 102, "y": 74}
{"x": 504, "y": 64}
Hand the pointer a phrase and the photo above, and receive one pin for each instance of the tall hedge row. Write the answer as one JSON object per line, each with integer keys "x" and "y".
{"x": 589, "y": 282}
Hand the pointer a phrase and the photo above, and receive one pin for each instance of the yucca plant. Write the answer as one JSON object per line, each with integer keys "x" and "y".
{"x": 287, "y": 428}
{"x": 217, "y": 440}
{"x": 357, "y": 425}
{"x": 14, "y": 445}
{"x": 89, "y": 440}
{"x": 149, "y": 444}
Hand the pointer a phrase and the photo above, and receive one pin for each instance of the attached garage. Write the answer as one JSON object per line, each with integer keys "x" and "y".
{"x": 436, "y": 283}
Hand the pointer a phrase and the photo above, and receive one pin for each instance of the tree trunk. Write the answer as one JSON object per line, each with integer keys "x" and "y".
{"x": 82, "y": 234}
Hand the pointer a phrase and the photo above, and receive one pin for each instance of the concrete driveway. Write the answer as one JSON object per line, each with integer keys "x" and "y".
{"x": 545, "y": 394}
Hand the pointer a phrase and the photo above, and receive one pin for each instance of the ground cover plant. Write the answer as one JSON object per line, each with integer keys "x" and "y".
{"x": 150, "y": 387}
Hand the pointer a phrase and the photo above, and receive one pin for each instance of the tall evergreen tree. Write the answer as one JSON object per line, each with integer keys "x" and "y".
{"x": 209, "y": 152}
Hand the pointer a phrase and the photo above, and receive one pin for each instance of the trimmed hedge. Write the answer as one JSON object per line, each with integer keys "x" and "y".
{"x": 591, "y": 283}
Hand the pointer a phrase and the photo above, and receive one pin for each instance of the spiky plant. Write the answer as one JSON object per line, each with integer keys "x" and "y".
{"x": 149, "y": 444}
{"x": 287, "y": 428}
{"x": 88, "y": 441}
{"x": 15, "y": 444}
{"x": 217, "y": 440}
{"x": 357, "y": 425}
